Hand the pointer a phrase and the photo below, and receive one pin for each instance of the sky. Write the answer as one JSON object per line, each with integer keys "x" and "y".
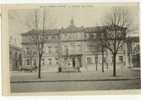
{"x": 57, "y": 16}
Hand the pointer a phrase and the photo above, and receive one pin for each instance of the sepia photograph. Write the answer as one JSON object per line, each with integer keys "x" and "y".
{"x": 74, "y": 47}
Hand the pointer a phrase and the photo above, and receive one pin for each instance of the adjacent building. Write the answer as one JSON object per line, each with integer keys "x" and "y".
{"x": 133, "y": 51}
{"x": 15, "y": 55}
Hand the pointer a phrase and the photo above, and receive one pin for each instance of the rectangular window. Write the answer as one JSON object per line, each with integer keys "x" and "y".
{"x": 34, "y": 53}
{"x": 79, "y": 47}
{"x": 53, "y": 37}
{"x": 56, "y": 49}
{"x": 87, "y": 36}
{"x": 49, "y": 61}
{"x": 43, "y": 61}
{"x": 66, "y": 50}
{"x": 34, "y": 63}
{"x": 121, "y": 58}
{"x": 94, "y": 35}
{"x": 56, "y": 60}
{"x": 89, "y": 60}
{"x": 47, "y": 37}
{"x": 28, "y": 62}
{"x": 49, "y": 49}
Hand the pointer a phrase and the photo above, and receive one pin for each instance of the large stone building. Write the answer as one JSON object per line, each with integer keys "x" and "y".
{"x": 69, "y": 47}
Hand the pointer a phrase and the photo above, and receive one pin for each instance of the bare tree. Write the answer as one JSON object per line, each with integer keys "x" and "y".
{"x": 96, "y": 61}
{"x": 102, "y": 51}
{"x": 37, "y": 22}
{"x": 39, "y": 40}
{"x": 38, "y": 37}
{"x": 114, "y": 32}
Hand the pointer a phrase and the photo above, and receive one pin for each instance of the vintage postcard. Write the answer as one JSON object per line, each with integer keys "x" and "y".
{"x": 71, "y": 48}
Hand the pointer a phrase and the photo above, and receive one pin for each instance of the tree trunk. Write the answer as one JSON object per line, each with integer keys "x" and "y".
{"x": 96, "y": 62}
{"x": 96, "y": 66}
{"x": 114, "y": 64}
{"x": 39, "y": 67}
{"x": 102, "y": 59}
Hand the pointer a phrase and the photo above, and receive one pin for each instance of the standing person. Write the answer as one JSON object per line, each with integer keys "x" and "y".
{"x": 77, "y": 64}
{"x": 73, "y": 62}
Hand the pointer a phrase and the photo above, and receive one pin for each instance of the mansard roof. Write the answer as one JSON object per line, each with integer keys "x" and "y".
{"x": 73, "y": 29}
{"x": 49, "y": 31}
{"x": 70, "y": 29}
{"x": 97, "y": 29}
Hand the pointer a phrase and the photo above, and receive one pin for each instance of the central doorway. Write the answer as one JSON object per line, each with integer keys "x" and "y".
{"x": 72, "y": 63}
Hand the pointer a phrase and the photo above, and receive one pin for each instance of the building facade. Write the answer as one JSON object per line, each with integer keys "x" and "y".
{"x": 70, "y": 47}
{"x": 15, "y": 55}
{"x": 133, "y": 51}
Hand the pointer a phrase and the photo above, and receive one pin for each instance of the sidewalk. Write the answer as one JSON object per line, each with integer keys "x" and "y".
{"x": 74, "y": 76}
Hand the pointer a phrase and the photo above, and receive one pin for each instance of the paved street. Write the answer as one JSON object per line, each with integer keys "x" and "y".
{"x": 90, "y": 75}
{"x": 94, "y": 80}
{"x": 75, "y": 86}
